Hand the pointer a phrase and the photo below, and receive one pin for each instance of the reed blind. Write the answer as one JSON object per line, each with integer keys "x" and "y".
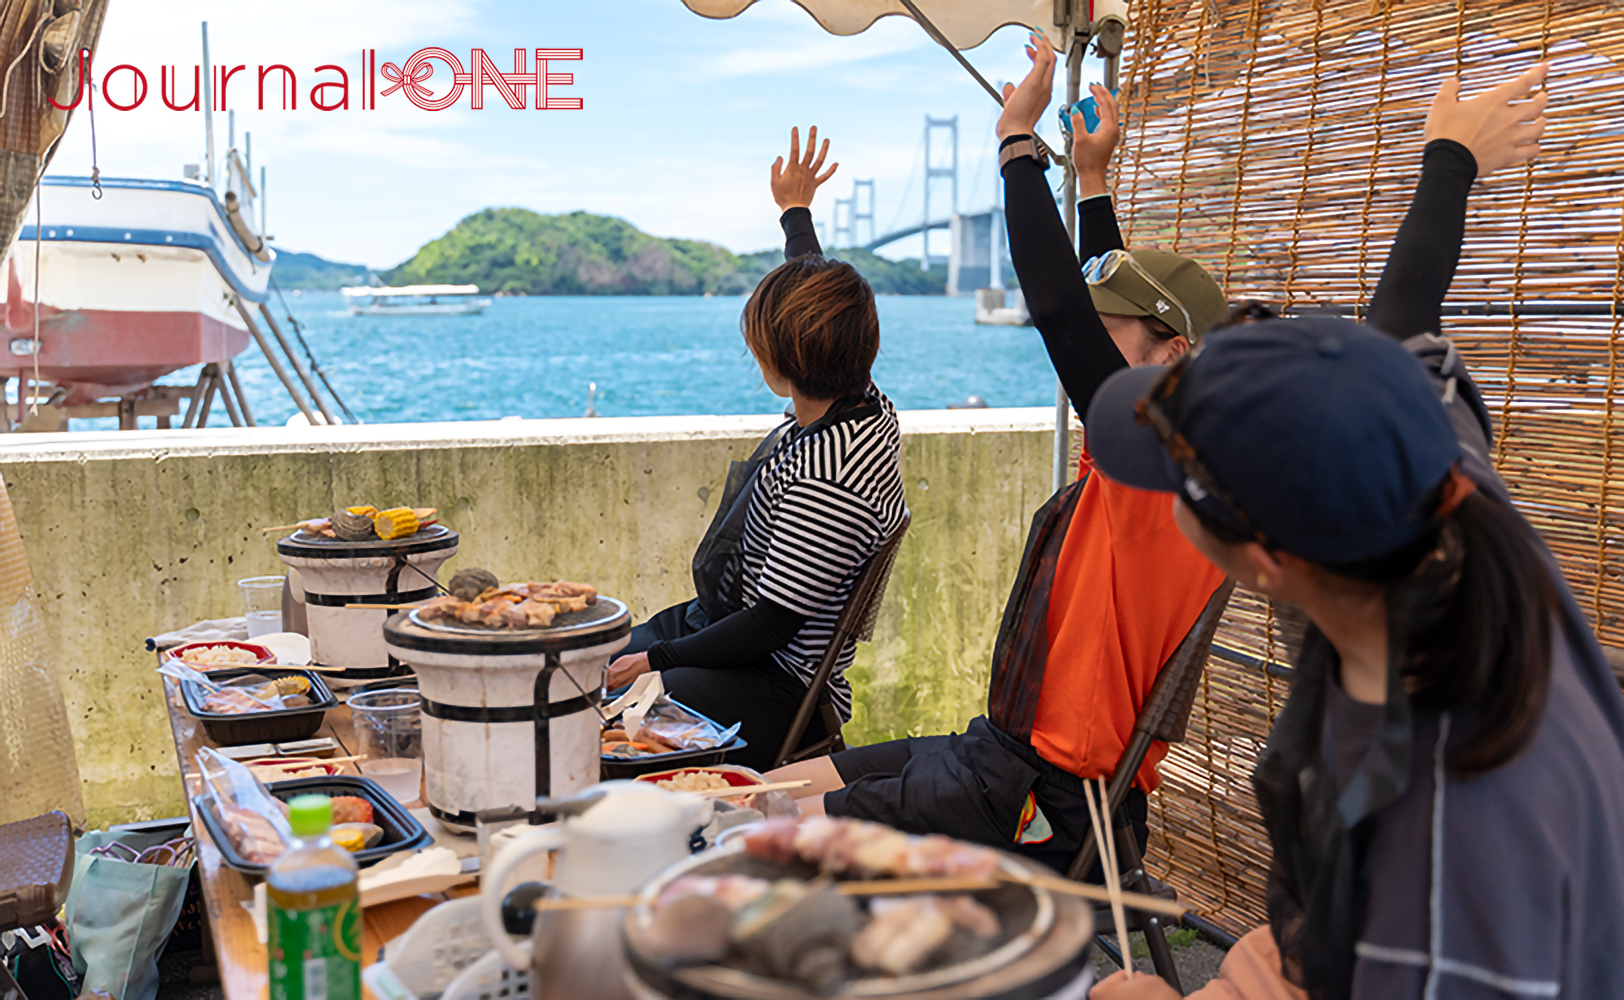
{"x": 1278, "y": 144}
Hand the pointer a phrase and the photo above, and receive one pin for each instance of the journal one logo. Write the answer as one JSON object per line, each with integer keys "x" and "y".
{"x": 432, "y": 79}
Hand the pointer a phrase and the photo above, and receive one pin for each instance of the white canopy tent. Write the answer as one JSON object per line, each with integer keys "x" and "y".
{"x": 963, "y": 24}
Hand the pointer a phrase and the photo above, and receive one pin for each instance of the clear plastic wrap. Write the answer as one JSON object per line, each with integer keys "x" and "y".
{"x": 654, "y": 724}
{"x": 254, "y": 819}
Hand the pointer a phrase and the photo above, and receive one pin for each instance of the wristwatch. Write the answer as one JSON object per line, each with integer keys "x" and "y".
{"x": 1021, "y": 147}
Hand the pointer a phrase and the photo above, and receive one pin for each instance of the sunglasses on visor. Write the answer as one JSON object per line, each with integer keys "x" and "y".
{"x": 1098, "y": 270}
{"x": 1151, "y": 411}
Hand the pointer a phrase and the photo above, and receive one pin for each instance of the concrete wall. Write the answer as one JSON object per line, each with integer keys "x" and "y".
{"x": 133, "y": 534}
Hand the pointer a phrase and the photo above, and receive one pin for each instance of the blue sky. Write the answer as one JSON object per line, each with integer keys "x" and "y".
{"x": 682, "y": 119}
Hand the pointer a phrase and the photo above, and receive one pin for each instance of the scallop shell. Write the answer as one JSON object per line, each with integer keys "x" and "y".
{"x": 352, "y": 527}
{"x": 469, "y": 583}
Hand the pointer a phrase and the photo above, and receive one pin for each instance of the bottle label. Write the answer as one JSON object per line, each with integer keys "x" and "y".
{"x": 316, "y": 954}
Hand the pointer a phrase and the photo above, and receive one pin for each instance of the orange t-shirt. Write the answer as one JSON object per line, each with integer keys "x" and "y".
{"x": 1127, "y": 588}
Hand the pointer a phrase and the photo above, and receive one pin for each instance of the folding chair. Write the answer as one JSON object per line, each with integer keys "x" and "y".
{"x": 1164, "y": 717}
{"x": 856, "y": 622}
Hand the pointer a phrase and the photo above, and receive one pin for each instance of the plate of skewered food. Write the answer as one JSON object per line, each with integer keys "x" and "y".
{"x": 839, "y": 906}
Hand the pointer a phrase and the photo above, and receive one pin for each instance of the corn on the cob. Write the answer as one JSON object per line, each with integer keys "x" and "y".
{"x": 365, "y": 510}
{"x": 396, "y": 523}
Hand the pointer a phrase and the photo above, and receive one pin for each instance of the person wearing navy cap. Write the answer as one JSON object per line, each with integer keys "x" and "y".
{"x": 1444, "y": 790}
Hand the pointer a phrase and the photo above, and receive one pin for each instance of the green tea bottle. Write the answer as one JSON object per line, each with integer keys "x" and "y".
{"x": 314, "y": 911}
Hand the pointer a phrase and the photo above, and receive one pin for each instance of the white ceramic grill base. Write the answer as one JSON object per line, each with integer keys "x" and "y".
{"x": 473, "y": 766}
{"x": 352, "y": 638}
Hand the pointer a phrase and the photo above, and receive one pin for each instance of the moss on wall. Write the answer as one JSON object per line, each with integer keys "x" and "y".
{"x": 127, "y": 545}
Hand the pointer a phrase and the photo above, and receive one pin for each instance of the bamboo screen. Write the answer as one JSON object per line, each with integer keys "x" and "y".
{"x": 1278, "y": 143}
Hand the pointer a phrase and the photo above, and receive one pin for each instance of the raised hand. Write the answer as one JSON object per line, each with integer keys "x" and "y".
{"x": 1091, "y": 151}
{"x": 1501, "y": 126}
{"x": 1023, "y": 105}
{"x": 795, "y": 185}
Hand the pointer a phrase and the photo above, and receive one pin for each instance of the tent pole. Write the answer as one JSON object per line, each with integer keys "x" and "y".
{"x": 1068, "y": 210}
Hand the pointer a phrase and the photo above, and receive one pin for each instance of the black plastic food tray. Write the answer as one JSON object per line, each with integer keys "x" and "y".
{"x": 401, "y": 831}
{"x": 285, "y": 726}
{"x": 630, "y": 767}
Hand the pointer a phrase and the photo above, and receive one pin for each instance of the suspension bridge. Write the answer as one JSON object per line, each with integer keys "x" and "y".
{"x": 976, "y": 256}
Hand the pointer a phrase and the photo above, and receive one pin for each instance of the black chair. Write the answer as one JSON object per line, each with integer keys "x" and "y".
{"x": 1164, "y": 717}
{"x": 856, "y": 622}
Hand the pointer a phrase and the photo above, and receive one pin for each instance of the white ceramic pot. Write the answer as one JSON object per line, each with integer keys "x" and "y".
{"x": 508, "y": 717}
{"x": 337, "y": 573}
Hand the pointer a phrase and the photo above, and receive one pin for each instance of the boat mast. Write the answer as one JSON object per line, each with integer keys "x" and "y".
{"x": 208, "y": 109}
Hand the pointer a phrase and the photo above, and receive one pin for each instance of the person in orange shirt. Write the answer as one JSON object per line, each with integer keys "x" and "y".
{"x": 1108, "y": 586}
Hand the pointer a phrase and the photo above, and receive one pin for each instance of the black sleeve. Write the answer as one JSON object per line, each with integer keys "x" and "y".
{"x": 1097, "y": 231}
{"x": 1083, "y": 354}
{"x": 1410, "y": 294}
{"x": 800, "y": 235}
{"x": 742, "y": 638}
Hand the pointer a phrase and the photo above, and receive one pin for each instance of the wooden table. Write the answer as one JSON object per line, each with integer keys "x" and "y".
{"x": 241, "y": 957}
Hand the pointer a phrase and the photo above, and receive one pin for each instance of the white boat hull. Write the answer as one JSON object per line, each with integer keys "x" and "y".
{"x": 130, "y": 287}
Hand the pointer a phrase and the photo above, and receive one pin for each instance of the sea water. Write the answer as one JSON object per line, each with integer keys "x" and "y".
{"x": 648, "y": 356}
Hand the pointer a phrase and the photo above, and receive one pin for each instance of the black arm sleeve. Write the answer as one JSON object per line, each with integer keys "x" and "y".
{"x": 1410, "y": 294}
{"x": 1097, "y": 231}
{"x": 800, "y": 235}
{"x": 1083, "y": 353}
{"x": 741, "y": 639}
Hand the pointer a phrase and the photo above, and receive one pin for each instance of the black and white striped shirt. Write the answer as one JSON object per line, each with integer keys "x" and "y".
{"x": 823, "y": 504}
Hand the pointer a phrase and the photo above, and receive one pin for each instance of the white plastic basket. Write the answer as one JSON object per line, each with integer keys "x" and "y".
{"x": 438, "y": 947}
{"x": 489, "y": 978}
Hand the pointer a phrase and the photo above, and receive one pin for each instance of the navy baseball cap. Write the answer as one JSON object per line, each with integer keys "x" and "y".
{"x": 1328, "y": 436}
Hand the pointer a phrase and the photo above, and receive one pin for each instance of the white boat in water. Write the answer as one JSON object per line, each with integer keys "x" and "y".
{"x": 417, "y": 300}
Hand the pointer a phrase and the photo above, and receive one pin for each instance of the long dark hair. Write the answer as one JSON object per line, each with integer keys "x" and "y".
{"x": 1471, "y": 609}
{"x": 1476, "y": 621}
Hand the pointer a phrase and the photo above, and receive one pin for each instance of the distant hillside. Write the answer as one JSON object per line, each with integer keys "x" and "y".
{"x": 517, "y": 251}
{"x": 306, "y": 270}
{"x": 886, "y": 276}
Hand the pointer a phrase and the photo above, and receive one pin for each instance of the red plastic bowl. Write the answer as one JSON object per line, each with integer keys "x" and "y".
{"x": 266, "y": 657}
{"x": 733, "y": 778}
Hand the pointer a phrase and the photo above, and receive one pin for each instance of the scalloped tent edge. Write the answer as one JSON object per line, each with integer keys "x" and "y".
{"x": 965, "y": 23}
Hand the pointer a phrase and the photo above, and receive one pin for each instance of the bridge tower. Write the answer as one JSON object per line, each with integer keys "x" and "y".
{"x": 935, "y": 171}
{"x": 851, "y": 213}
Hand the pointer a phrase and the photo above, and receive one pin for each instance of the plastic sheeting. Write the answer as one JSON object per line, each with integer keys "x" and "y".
{"x": 38, "y": 770}
{"x": 966, "y": 23}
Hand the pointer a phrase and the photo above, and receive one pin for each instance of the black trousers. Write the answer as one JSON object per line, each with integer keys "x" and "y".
{"x": 762, "y": 697}
{"x": 972, "y": 786}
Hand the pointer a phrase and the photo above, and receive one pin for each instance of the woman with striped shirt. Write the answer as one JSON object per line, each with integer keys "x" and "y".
{"x": 825, "y": 492}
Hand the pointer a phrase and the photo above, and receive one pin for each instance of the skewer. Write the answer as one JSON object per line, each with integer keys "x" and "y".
{"x": 1108, "y": 867}
{"x": 901, "y": 886}
{"x": 742, "y": 790}
{"x": 383, "y": 607}
{"x": 281, "y": 527}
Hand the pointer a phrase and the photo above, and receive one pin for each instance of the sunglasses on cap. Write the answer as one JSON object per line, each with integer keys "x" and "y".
{"x": 1199, "y": 484}
{"x": 1098, "y": 270}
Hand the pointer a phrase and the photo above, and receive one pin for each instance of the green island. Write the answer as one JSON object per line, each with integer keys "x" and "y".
{"x": 514, "y": 251}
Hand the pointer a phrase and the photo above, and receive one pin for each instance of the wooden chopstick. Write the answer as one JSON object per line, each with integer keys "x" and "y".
{"x": 295, "y": 765}
{"x": 383, "y": 607}
{"x": 1106, "y": 850}
{"x": 742, "y": 790}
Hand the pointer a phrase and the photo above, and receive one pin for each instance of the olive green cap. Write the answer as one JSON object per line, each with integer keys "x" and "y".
{"x": 310, "y": 815}
{"x": 1127, "y": 293}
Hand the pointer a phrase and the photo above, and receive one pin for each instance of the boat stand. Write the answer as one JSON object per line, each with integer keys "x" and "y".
{"x": 217, "y": 378}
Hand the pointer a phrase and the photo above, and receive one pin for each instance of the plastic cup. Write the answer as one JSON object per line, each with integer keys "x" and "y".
{"x": 262, "y": 603}
{"x": 389, "y": 727}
